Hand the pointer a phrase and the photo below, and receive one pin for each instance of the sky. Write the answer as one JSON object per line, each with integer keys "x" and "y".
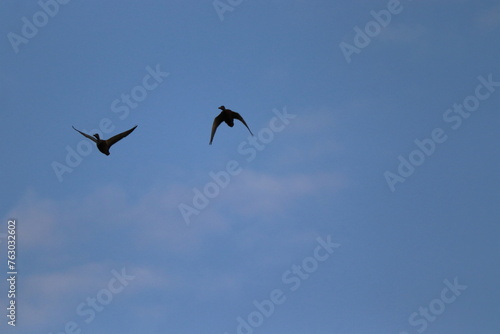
{"x": 366, "y": 202}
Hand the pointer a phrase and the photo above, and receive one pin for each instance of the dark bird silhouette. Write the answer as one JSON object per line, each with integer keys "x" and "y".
{"x": 105, "y": 144}
{"x": 227, "y": 116}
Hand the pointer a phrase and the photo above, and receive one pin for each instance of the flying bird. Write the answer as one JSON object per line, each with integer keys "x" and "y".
{"x": 105, "y": 144}
{"x": 227, "y": 116}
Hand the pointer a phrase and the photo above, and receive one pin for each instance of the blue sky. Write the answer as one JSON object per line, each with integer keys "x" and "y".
{"x": 367, "y": 202}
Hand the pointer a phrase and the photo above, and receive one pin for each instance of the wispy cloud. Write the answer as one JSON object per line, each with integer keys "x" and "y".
{"x": 51, "y": 299}
{"x": 37, "y": 220}
{"x": 256, "y": 192}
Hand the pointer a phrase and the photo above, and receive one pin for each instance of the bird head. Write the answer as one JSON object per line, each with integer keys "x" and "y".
{"x": 97, "y": 136}
{"x": 222, "y": 108}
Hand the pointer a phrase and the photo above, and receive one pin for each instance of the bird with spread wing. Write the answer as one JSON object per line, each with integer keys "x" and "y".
{"x": 105, "y": 144}
{"x": 227, "y": 116}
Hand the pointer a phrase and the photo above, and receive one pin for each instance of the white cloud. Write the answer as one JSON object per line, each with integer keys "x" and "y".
{"x": 36, "y": 221}
{"x": 50, "y": 299}
{"x": 255, "y": 193}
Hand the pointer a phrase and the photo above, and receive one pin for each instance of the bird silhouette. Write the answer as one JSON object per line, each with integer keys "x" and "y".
{"x": 227, "y": 116}
{"x": 105, "y": 144}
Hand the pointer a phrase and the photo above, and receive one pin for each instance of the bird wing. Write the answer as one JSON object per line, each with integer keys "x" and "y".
{"x": 86, "y": 135}
{"x": 238, "y": 117}
{"x": 217, "y": 120}
{"x": 119, "y": 136}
